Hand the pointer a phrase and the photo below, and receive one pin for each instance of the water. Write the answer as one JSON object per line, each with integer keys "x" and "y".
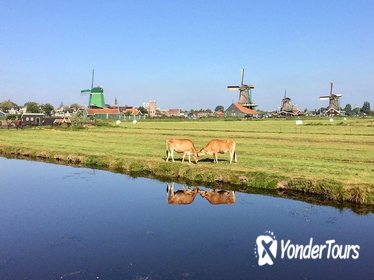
{"x": 60, "y": 222}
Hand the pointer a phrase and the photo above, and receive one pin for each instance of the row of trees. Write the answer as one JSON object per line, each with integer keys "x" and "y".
{"x": 365, "y": 109}
{"x": 33, "y": 107}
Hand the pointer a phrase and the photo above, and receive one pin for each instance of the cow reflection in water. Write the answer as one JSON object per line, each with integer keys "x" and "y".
{"x": 185, "y": 196}
{"x": 218, "y": 196}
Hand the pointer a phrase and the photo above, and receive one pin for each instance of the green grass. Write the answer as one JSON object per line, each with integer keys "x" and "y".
{"x": 334, "y": 160}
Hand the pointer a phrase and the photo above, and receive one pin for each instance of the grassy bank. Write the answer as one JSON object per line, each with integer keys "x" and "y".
{"x": 332, "y": 160}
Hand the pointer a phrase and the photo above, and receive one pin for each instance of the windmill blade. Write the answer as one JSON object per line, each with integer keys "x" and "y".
{"x": 85, "y": 91}
{"x": 324, "y": 97}
{"x": 242, "y": 76}
{"x": 338, "y": 95}
{"x": 247, "y": 86}
{"x": 331, "y": 86}
{"x": 93, "y": 77}
{"x": 233, "y": 87}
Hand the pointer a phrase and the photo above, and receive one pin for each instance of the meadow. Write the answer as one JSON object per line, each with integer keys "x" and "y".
{"x": 334, "y": 160}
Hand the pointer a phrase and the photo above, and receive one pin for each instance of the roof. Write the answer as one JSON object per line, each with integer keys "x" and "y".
{"x": 32, "y": 114}
{"x": 110, "y": 111}
{"x": 58, "y": 121}
{"x": 132, "y": 110}
{"x": 245, "y": 110}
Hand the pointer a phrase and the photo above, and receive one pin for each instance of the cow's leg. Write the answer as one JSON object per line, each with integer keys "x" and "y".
{"x": 172, "y": 155}
{"x": 216, "y": 157}
{"x": 235, "y": 157}
{"x": 189, "y": 158}
{"x": 168, "y": 155}
{"x": 184, "y": 154}
{"x": 231, "y": 156}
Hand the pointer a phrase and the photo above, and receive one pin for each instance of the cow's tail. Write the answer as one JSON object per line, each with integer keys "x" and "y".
{"x": 167, "y": 149}
{"x": 235, "y": 152}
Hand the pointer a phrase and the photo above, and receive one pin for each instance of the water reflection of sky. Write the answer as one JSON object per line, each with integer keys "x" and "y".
{"x": 76, "y": 223}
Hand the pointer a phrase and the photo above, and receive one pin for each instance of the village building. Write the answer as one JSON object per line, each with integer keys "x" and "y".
{"x": 2, "y": 115}
{"x": 33, "y": 118}
{"x": 63, "y": 121}
{"x": 13, "y": 111}
{"x": 237, "y": 110}
{"x": 203, "y": 114}
{"x": 152, "y": 108}
{"x": 132, "y": 111}
{"x": 173, "y": 113}
{"x": 219, "y": 114}
{"x": 105, "y": 113}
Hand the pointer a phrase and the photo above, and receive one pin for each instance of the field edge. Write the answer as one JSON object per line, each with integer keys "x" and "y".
{"x": 326, "y": 189}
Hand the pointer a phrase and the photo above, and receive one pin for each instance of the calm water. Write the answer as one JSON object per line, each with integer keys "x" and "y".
{"x": 59, "y": 222}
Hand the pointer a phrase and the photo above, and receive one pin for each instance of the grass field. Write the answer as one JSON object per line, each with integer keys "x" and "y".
{"x": 335, "y": 160}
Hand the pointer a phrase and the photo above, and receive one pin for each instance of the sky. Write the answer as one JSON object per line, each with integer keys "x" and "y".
{"x": 184, "y": 53}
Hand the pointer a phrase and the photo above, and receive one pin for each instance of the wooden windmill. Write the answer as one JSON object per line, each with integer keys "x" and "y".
{"x": 334, "y": 106}
{"x": 287, "y": 107}
{"x": 245, "y": 93}
{"x": 96, "y": 99}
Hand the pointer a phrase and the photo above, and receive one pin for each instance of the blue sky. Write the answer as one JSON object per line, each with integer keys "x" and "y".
{"x": 185, "y": 53}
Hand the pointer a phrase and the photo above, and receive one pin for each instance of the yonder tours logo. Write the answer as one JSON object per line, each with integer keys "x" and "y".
{"x": 267, "y": 246}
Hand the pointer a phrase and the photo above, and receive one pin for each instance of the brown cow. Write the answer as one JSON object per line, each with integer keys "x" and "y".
{"x": 185, "y": 196}
{"x": 184, "y": 146}
{"x": 216, "y": 146}
{"x": 218, "y": 196}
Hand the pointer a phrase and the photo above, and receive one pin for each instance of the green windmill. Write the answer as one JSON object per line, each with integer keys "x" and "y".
{"x": 96, "y": 99}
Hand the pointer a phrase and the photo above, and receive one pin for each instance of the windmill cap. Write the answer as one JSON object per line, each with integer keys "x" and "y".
{"x": 97, "y": 90}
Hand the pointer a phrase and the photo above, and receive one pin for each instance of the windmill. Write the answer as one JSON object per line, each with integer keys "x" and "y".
{"x": 334, "y": 106}
{"x": 245, "y": 93}
{"x": 287, "y": 108}
{"x": 96, "y": 99}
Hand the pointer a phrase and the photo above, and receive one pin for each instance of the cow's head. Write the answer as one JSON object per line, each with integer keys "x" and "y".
{"x": 201, "y": 152}
{"x": 196, "y": 157}
{"x": 203, "y": 193}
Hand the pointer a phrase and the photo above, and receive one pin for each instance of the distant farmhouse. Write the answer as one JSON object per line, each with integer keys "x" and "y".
{"x": 102, "y": 113}
{"x": 238, "y": 110}
{"x": 33, "y": 119}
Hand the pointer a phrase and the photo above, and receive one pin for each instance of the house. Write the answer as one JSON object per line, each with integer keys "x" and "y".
{"x": 237, "y": 110}
{"x": 203, "y": 114}
{"x": 33, "y": 119}
{"x": 173, "y": 112}
{"x": 13, "y": 111}
{"x": 64, "y": 121}
{"x": 133, "y": 111}
{"x": 104, "y": 113}
{"x": 2, "y": 115}
{"x": 219, "y": 114}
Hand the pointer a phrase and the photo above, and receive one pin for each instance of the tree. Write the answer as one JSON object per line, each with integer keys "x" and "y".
{"x": 219, "y": 108}
{"x": 32, "y": 107}
{"x": 366, "y": 108}
{"x": 47, "y": 109}
{"x": 356, "y": 111}
{"x": 142, "y": 110}
{"x": 5, "y": 106}
{"x": 348, "y": 109}
{"x": 75, "y": 106}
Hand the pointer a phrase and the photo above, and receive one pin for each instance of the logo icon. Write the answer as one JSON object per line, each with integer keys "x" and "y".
{"x": 266, "y": 248}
